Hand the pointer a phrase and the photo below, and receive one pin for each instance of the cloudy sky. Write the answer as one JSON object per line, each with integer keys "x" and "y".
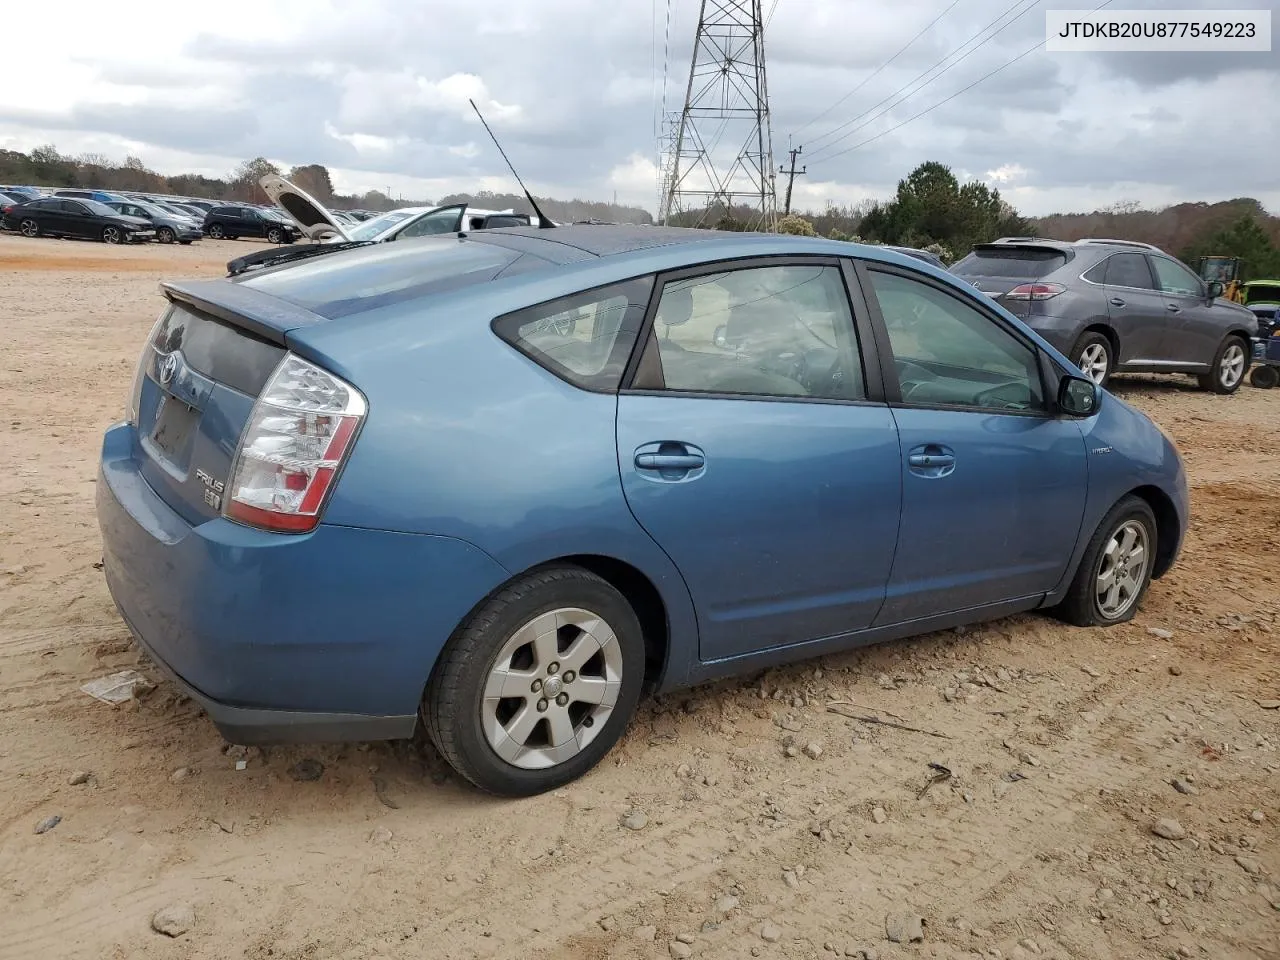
{"x": 378, "y": 90}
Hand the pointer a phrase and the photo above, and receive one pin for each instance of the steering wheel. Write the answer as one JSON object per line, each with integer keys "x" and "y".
{"x": 991, "y": 398}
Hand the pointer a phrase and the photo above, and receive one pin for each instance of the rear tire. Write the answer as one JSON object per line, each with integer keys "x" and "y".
{"x": 1094, "y": 355}
{"x": 1112, "y": 580}
{"x": 1265, "y": 377}
{"x": 1229, "y": 365}
{"x": 216, "y": 232}
{"x": 552, "y": 720}
{"x": 29, "y": 228}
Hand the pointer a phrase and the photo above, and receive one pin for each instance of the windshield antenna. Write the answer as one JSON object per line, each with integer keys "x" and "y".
{"x": 543, "y": 222}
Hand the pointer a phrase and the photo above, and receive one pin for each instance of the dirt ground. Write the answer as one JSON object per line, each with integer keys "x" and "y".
{"x": 1062, "y": 746}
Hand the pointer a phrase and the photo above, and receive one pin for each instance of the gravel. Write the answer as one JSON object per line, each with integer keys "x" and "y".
{"x": 635, "y": 820}
{"x": 770, "y": 932}
{"x": 79, "y": 777}
{"x": 904, "y": 928}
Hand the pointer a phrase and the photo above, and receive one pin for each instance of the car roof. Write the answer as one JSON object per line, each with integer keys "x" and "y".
{"x": 599, "y": 240}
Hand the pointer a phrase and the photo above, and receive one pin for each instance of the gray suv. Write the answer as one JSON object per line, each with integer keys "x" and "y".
{"x": 1117, "y": 306}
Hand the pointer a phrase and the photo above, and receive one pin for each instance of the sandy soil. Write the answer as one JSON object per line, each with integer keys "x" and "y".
{"x": 1062, "y": 746}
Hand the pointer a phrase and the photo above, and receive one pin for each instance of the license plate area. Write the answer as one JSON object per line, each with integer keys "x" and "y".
{"x": 175, "y": 426}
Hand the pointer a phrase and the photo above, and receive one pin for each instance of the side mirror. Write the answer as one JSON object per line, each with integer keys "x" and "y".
{"x": 1215, "y": 289}
{"x": 1077, "y": 397}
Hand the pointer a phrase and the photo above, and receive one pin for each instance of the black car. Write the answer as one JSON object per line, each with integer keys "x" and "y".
{"x": 86, "y": 219}
{"x": 170, "y": 228}
{"x": 232, "y": 221}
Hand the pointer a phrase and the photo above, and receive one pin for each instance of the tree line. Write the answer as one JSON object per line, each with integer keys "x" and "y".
{"x": 45, "y": 166}
{"x": 930, "y": 209}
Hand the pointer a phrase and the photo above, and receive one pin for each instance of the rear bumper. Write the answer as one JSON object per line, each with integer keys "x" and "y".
{"x": 330, "y": 635}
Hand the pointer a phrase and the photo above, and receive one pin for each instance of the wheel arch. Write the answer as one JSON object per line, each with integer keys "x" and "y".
{"x": 635, "y": 586}
{"x": 1168, "y": 529}
{"x": 1108, "y": 331}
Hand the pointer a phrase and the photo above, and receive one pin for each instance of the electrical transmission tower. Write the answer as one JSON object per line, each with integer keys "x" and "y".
{"x": 727, "y": 96}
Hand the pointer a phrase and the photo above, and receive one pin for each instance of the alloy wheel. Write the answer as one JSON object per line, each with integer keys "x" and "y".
{"x": 29, "y": 228}
{"x": 1095, "y": 361}
{"x": 551, "y": 688}
{"x": 1231, "y": 366}
{"x": 111, "y": 235}
{"x": 1122, "y": 570}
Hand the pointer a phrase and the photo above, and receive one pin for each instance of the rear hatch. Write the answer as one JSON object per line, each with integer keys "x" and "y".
{"x": 200, "y": 373}
{"x": 996, "y": 268}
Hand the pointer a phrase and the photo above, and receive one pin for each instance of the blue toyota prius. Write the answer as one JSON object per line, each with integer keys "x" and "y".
{"x": 505, "y": 483}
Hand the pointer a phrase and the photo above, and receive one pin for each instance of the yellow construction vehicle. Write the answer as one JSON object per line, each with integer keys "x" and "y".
{"x": 1227, "y": 271}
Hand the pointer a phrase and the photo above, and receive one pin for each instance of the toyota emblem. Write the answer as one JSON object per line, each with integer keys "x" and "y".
{"x": 167, "y": 368}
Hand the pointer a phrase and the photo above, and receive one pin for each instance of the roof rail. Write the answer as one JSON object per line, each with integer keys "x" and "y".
{"x": 1120, "y": 243}
{"x": 1026, "y": 240}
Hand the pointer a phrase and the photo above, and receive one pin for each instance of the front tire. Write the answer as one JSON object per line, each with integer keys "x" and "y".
{"x": 29, "y": 228}
{"x": 1229, "y": 365}
{"x": 538, "y": 684}
{"x": 112, "y": 235}
{"x": 165, "y": 235}
{"x": 1094, "y": 356}
{"x": 1115, "y": 571}
{"x": 274, "y": 236}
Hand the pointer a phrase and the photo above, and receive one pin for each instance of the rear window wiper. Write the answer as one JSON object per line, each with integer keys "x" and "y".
{"x": 271, "y": 258}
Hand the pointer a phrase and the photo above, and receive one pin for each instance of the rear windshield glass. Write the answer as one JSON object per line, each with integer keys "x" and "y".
{"x": 341, "y": 284}
{"x": 1023, "y": 264}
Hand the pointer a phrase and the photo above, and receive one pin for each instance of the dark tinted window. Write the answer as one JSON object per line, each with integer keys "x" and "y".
{"x": 584, "y": 339}
{"x": 1022, "y": 264}
{"x": 46, "y": 204}
{"x": 97, "y": 209}
{"x": 356, "y": 281}
{"x": 1129, "y": 270}
{"x": 74, "y": 206}
{"x": 223, "y": 353}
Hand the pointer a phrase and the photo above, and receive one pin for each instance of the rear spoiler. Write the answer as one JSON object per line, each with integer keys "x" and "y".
{"x": 1029, "y": 247}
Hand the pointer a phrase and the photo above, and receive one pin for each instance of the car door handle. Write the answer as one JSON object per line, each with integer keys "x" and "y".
{"x": 1116, "y": 302}
{"x": 669, "y": 461}
{"x": 926, "y": 460}
{"x": 1173, "y": 308}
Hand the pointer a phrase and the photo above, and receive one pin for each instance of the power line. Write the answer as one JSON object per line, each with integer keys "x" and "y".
{"x": 877, "y": 70}
{"x": 948, "y": 66}
{"x": 986, "y": 76}
{"x": 770, "y": 16}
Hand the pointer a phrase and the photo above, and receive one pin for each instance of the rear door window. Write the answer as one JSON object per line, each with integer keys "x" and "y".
{"x": 586, "y": 338}
{"x": 1129, "y": 270}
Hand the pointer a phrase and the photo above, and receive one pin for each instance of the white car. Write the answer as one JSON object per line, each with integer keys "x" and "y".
{"x": 321, "y": 225}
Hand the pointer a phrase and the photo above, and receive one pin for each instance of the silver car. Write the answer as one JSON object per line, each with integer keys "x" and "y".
{"x": 1117, "y": 306}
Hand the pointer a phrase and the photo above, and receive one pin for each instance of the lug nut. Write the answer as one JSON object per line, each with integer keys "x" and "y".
{"x": 562, "y": 699}
{"x": 536, "y": 686}
{"x": 542, "y": 706}
{"x": 588, "y": 721}
{"x": 553, "y": 667}
{"x": 570, "y": 676}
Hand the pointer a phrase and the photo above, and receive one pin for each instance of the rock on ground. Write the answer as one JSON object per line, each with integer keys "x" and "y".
{"x": 904, "y": 928}
{"x": 174, "y": 920}
{"x": 1169, "y": 829}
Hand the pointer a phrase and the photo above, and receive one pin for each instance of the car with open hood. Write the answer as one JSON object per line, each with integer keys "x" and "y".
{"x": 318, "y": 223}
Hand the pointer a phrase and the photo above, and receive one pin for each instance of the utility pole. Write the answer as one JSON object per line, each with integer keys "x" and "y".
{"x": 727, "y": 96}
{"x": 791, "y": 176}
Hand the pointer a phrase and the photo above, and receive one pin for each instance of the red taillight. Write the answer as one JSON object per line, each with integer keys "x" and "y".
{"x": 297, "y": 438}
{"x": 1035, "y": 291}
{"x": 4, "y": 211}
